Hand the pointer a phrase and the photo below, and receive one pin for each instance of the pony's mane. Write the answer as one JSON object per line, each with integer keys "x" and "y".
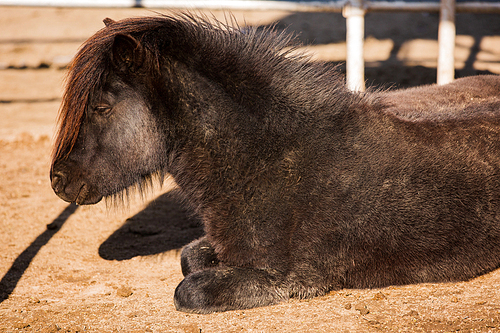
{"x": 265, "y": 49}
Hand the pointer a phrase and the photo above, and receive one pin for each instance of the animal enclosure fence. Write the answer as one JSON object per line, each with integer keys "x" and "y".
{"x": 353, "y": 10}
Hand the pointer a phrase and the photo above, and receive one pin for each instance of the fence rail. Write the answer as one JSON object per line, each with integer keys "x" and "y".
{"x": 481, "y": 6}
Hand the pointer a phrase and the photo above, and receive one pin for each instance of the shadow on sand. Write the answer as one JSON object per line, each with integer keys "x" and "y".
{"x": 16, "y": 271}
{"x": 162, "y": 226}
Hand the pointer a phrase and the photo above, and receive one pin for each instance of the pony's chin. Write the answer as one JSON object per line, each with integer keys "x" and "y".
{"x": 88, "y": 201}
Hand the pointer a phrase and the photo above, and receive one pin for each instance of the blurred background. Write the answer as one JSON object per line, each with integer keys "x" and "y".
{"x": 401, "y": 50}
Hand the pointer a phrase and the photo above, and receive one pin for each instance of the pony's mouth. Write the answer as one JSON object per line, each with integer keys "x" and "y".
{"x": 85, "y": 197}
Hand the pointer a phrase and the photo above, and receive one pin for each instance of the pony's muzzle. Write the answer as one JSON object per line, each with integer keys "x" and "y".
{"x": 71, "y": 187}
{"x": 59, "y": 182}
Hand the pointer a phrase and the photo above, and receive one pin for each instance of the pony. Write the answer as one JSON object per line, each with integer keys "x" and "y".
{"x": 302, "y": 186}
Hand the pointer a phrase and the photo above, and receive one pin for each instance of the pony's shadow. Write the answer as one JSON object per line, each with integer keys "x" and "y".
{"x": 164, "y": 225}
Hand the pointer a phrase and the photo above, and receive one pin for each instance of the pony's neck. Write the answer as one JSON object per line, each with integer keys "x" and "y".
{"x": 243, "y": 112}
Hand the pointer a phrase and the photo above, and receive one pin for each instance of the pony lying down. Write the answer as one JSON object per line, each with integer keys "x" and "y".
{"x": 303, "y": 186}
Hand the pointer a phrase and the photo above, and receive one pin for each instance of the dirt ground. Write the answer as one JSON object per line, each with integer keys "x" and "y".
{"x": 114, "y": 269}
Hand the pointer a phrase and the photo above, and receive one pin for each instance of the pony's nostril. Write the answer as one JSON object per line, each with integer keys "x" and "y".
{"x": 58, "y": 182}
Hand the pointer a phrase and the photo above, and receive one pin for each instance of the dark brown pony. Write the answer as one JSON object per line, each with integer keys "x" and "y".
{"x": 302, "y": 185}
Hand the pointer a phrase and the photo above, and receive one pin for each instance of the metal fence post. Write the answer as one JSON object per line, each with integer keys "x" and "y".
{"x": 354, "y": 12}
{"x": 446, "y": 41}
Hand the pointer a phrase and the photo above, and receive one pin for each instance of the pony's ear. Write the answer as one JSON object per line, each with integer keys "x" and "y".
{"x": 107, "y": 21}
{"x": 127, "y": 54}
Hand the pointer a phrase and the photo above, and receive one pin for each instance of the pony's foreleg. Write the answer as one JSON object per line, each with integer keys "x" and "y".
{"x": 229, "y": 288}
{"x": 198, "y": 255}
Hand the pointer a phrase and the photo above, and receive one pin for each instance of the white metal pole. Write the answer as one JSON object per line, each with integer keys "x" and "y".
{"x": 354, "y": 12}
{"x": 446, "y": 41}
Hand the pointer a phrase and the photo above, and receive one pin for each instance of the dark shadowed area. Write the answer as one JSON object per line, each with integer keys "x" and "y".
{"x": 162, "y": 226}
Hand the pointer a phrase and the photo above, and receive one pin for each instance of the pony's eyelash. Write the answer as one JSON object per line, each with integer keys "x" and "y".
{"x": 102, "y": 108}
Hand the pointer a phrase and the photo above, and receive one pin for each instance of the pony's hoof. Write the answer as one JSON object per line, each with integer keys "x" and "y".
{"x": 198, "y": 255}
{"x": 228, "y": 288}
{"x": 190, "y": 297}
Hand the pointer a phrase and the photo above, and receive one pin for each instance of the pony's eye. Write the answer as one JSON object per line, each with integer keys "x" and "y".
{"x": 102, "y": 109}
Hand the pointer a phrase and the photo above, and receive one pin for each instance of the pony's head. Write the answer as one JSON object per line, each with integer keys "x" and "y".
{"x": 108, "y": 137}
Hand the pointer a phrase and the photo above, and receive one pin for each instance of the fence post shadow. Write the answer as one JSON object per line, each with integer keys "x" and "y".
{"x": 16, "y": 271}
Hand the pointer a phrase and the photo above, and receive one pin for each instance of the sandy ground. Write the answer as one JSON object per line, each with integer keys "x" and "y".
{"x": 114, "y": 269}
